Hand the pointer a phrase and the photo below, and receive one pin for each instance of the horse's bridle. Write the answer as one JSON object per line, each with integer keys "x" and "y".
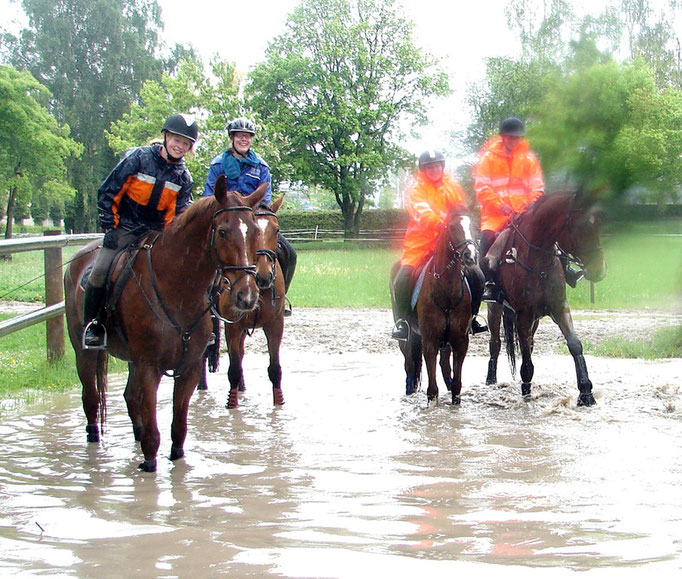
{"x": 456, "y": 256}
{"x": 222, "y": 268}
{"x": 268, "y": 253}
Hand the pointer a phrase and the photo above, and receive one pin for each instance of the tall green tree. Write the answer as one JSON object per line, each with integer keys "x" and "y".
{"x": 93, "y": 56}
{"x": 335, "y": 91}
{"x": 34, "y": 148}
{"x": 213, "y": 100}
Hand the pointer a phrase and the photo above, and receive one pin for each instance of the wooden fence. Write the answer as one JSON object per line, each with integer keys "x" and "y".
{"x": 53, "y": 312}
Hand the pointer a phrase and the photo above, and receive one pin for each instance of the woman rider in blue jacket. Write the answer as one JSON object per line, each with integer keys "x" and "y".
{"x": 245, "y": 170}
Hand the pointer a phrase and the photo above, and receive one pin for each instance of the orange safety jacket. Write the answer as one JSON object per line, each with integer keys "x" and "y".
{"x": 501, "y": 179}
{"x": 427, "y": 206}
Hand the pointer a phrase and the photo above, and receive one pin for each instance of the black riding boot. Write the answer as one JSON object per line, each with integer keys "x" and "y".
{"x": 402, "y": 294}
{"x": 476, "y": 281}
{"x": 491, "y": 293}
{"x": 572, "y": 275}
{"x": 94, "y": 333}
{"x": 286, "y": 255}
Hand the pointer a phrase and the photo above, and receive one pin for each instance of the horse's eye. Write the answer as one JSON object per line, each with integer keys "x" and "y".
{"x": 222, "y": 234}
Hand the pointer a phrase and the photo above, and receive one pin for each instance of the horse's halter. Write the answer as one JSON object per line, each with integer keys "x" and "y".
{"x": 268, "y": 253}
{"x": 222, "y": 268}
{"x": 570, "y": 255}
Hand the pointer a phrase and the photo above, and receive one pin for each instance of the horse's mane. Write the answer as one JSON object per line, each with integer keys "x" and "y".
{"x": 538, "y": 205}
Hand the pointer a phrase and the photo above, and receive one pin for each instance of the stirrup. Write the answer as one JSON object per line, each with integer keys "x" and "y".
{"x": 101, "y": 343}
{"x": 573, "y": 276}
{"x": 476, "y": 327}
{"x": 288, "y": 309}
{"x": 491, "y": 293}
{"x": 401, "y": 330}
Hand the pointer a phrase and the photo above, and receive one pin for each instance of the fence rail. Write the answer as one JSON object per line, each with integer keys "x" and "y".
{"x": 53, "y": 312}
{"x": 318, "y": 234}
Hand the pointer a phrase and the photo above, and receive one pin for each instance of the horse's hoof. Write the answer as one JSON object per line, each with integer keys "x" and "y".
{"x": 232, "y": 399}
{"x": 148, "y": 465}
{"x": 278, "y": 397}
{"x": 456, "y": 400}
{"x": 525, "y": 389}
{"x": 242, "y": 388}
{"x": 490, "y": 381}
{"x": 92, "y": 431}
{"x": 586, "y": 400}
{"x": 202, "y": 387}
{"x": 176, "y": 453}
{"x": 137, "y": 432}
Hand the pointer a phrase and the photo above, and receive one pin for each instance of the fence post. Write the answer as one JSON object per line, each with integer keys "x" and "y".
{"x": 316, "y": 228}
{"x": 54, "y": 295}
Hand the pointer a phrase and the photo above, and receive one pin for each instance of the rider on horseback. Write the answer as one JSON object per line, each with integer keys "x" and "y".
{"x": 145, "y": 191}
{"x": 507, "y": 179}
{"x": 428, "y": 203}
{"x": 244, "y": 170}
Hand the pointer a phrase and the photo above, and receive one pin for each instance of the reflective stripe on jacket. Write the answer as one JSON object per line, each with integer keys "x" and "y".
{"x": 428, "y": 206}
{"x": 500, "y": 179}
{"x": 144, "y": 191}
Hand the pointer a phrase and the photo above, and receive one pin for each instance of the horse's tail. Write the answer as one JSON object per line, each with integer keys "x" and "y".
{"x": 213, "y": 350}
{"x": 101, "y": 372}
{"x": 508, "y": 321}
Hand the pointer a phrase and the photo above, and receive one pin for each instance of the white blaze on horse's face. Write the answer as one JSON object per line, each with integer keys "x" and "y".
{"x": 244, "y": 228}
{"x": 470, "y": 247}
{"x": 263, "y": 223}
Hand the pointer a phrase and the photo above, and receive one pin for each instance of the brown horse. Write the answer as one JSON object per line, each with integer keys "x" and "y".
{"x": 533, "y": 280}
{"x": 443, "y": 310}
{"x": 157, "y": 313}
{"x": 268, "y": 315}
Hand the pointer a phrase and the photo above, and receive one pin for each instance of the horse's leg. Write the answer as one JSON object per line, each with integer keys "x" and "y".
{"x": 525, "y": 322}
{"x": 235, "y": 374}
{"x": 459, "y": 350}
{"x": 494, "y": 321}
{"x": 132, "y": 398}
{"x": 445, "y": 367}
{"x": 273, "y": 333}
{"x": 144, "y": 382}
{"x": 182, "y": 393}
{"x": 203, "y": 383}
{"x": 575, "y": 347}
{"x": 430, "y": 354}
{"x": 86, "y": 365}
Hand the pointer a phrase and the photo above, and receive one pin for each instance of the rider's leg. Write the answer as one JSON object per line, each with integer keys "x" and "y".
{"x": 476, "y": 281}
{"x": 402, "y": 294}
{"x": 94, "y": 334}
{"x": 492, "y": 290}
{"x": 286, "y": 255}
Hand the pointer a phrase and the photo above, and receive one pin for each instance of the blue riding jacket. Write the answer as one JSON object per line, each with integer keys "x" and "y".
{"x": 249, "y": 179}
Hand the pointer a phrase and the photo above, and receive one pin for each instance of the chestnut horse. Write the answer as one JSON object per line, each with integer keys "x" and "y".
{"x": 443, "y": 310}
{"x": 533, "y": 280}
{"x": 268, "y": 314}
{"x": 157, "y": 313}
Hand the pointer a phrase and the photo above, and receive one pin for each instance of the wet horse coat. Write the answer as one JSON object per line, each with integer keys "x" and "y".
{"x": 161, "y": 321}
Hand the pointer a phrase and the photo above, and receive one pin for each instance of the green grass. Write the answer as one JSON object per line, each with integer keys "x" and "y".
{"x": 665, "y": 343}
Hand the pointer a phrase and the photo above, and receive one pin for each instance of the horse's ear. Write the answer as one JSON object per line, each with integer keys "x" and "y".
{"x": 277, "y": 204}
{"x": 257, "y": 196}
{"x": 220, "y": 189}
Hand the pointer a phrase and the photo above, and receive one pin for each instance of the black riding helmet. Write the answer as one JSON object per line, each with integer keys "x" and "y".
{"x": 513, "y": 127}
{"x": 431, "y": 156}
{"x": 183, "y": 125}
{"x": 241, "y": 125}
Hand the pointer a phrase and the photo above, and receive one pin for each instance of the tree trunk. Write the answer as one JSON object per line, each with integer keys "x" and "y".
{"x": 10, "y": 219}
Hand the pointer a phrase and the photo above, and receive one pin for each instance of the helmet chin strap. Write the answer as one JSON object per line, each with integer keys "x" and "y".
{"x": 170, "y": 157}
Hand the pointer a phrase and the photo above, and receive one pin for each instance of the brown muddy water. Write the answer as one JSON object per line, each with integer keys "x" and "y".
{"x": 351, "y": 478}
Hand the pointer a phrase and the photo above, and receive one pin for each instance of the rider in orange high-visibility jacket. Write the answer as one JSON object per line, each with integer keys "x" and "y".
{"x": 507, "y": 179}
{"x": 428, "y": 202}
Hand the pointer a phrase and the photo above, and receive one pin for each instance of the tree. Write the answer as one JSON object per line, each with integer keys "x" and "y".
{"x": 34, "y": 148}
{"x": 333, "y": 91}
{"x": 93, "y": 56}
{"x": 212, "y": 101}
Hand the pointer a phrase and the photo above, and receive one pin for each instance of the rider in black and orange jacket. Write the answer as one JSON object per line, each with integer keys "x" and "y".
{"x": 145, "y": 191}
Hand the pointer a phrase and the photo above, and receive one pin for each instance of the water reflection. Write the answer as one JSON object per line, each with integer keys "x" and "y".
{"x": 349, "y": 474}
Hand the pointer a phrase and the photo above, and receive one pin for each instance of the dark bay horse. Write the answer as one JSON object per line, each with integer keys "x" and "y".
{"x": 443, "y": 310}
{"x": 157, "y": 313}
{"x": 268, "y": 314}
{"x": 533, "y": 280}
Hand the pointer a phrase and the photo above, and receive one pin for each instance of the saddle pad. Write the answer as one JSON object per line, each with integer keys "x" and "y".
{"x": 420, "y": 282}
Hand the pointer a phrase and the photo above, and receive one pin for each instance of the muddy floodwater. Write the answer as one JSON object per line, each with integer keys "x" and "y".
{"x": 350, "y": 478}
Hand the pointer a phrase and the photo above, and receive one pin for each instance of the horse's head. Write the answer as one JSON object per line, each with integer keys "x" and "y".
{"x": 236, "y": 239}
{"x": 266, "y": 217}
{"x": 580, "y": 238}
{"x": 460, "y": 234}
